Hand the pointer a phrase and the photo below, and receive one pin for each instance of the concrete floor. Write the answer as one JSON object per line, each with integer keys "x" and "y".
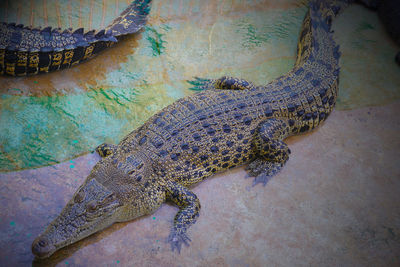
{"x": 335, "y": 203}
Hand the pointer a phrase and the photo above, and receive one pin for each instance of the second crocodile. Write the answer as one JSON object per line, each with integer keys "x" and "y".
{"x": 29, "y": 51}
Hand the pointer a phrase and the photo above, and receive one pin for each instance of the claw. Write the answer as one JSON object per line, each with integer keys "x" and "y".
{"x": 176, "y": 240}
{"x": 263, "y": 170}
{"x": 201, "y": 84}
{"x": 262, "y": 178}
{"x": 193, "y": 82}
{"x": 201, "y": 79}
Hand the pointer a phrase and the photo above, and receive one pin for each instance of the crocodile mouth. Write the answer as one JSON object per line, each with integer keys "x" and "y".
{"x": 42, "y": 247}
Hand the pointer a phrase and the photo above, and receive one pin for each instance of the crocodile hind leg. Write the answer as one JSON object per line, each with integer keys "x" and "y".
{"x": 272, "y": 152}
{"x": 189, "y": 208}
{"x": 105, "y": 150}
{"x": 225, "y": 83}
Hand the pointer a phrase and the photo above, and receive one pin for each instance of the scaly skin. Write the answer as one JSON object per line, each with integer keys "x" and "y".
{"x": 231, "y": 123}
{"x": 26, "y": 51}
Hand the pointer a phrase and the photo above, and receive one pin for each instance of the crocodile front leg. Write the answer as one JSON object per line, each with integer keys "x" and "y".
{"x": 231, "y": 83}
{"x": 272, "y": 152}
{"x": 189, "y": 208}
{"x": 224, "y": 83}
{"x": 105, "y": 150}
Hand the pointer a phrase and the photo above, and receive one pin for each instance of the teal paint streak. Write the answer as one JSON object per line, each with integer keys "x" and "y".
{"x": 37, "y": 131}
{"x": 156, "y": 39}
{"x": 281, "y": 25}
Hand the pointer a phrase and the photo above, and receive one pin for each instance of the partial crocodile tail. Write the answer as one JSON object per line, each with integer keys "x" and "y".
{"x": 27, "y": 51}
{"x": 131, "y": 19}
{"x": 320, "y": 14}
{"x": 330, "y": 8}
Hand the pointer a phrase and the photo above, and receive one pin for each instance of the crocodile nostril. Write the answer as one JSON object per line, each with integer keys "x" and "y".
{"x": 37, "y": 247}
{"x": 42, "y": 248}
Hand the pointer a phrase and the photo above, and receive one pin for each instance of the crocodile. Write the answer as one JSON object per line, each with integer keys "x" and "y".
{"x": 28, "y": 51}
{"x": 228, "y": 123}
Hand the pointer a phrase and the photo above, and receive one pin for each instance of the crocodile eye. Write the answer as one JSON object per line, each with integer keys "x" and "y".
{"x": 79, "y": 197}
{"x": 42, "y": 242}
{"x": 92, "y": 206}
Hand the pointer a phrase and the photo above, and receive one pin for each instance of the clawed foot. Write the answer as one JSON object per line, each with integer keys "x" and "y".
{"x": 105, "y": 150}
{"x": 202, "y": 84}
{"x": 263, "y": 170}
{"x": 177, "y": 239}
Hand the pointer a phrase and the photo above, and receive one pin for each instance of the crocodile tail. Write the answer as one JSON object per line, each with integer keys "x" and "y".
{"x": 132, "y": 19}
{"x": 329, "y": 9}
{"x": 320, "y": 14}
{"x": 28, "y": 51}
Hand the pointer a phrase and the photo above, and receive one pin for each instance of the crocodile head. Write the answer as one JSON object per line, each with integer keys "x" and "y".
{"x": 93, "y": 207}
{"x": 108, "y": 195}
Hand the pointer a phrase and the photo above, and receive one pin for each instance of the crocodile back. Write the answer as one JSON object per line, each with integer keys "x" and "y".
{"x": 214, "y": 130}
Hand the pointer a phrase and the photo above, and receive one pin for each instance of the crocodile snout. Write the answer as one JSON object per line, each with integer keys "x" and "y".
{"x": 41, "y": 248}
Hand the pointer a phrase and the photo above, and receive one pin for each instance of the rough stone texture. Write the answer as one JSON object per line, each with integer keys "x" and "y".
{"x": 51, "y": 118}
{"x": 335, "y": 203}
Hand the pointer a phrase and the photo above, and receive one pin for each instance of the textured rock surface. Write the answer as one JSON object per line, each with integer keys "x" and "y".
{"x": 47, "y": 119}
